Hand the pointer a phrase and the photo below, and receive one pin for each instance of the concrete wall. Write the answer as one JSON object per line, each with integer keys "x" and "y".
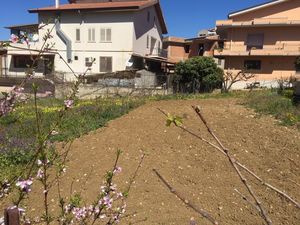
{"x": 272, "y": 69}
{"x": 129, "y": 35}
{"x": 120, "y": 48}
{"x": 175, "y": 48}
{"x": 90, "y": 91}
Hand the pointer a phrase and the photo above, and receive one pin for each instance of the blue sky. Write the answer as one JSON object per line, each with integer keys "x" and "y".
{"x": 184, "y": 17}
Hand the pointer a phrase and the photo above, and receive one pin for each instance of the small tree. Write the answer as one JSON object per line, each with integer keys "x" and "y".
{"x": 198, "y": 74}
{"x": 230, "y": 78}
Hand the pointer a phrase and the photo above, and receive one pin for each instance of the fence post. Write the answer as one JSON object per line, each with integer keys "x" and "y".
{"x": 11, "y": 216}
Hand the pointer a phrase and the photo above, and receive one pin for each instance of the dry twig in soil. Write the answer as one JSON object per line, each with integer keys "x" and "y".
{"x": 271, "y": 187}
{"x": 202, "y": 212}
{"x": 232, "y": 161}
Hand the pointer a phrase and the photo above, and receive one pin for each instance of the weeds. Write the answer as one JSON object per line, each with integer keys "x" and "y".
{"x": 16, "y": 142}
{"x": 279, "y": 106}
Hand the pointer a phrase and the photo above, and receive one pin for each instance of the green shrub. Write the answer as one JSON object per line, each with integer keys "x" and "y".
{"x": 288, "y": 93}
{"x": 198, "y": 74}
{"x": 17, "y": 130}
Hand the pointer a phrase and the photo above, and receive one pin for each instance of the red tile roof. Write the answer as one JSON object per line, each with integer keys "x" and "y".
{"x": 109, "y": 6}
{"x": 98, "y": 5}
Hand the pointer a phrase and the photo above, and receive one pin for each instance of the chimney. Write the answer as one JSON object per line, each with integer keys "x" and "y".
{"x": 56, "y": 3}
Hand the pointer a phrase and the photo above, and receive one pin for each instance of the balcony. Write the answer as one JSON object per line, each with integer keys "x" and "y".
{"x": 257, "y": 22}
{"x": 282, "y": 49}
{"x": 158, "y": 52}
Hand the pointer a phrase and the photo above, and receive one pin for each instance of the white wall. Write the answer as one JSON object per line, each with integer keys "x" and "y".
{"x": 129, "y": 34}
{"x": 143, "y": 28}
{"x": 120, "y": 47}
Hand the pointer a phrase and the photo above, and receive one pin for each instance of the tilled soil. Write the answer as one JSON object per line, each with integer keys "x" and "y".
{"x": 200, "y": 173}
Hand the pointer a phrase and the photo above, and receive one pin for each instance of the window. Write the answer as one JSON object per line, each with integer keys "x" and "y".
{"x": 78, "y": 35}
{"x": 252, "y": 64}
{"x": 89, "y": 61}
{"x": 76, "y": 58}
{"x": 159, "y": 46}
{"x": 23, "y": 61}
{"x": 91, "y": 35}
{"x": 187, "y": 48}
{"x": 105, "y": 35}
{"x": 255, "y": 41}
{"x": 148, "y": 41}
{"x": 106, "y": 64}
{"x": 201, "y": 50}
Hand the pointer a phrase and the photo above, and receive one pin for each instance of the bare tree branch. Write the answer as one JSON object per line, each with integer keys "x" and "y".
{"x": 235, "y": 167}
{"x": 202, "y": 212}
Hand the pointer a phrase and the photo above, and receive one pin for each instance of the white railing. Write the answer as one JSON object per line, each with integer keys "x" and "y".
{"x": 158, "y": 52}
{"x": 280, "y": 48}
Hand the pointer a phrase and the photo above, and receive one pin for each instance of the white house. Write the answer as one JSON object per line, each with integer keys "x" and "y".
{"x": 106, "y": 32}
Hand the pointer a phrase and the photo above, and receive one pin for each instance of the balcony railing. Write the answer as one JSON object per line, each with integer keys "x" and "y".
{"x": 257, "y": 22}
{"x": 158, "y": 52}
{"x": 242, "y": 49}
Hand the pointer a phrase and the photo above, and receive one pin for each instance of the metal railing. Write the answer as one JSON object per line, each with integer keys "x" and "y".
{"x": 276, "y": 47}
{"x": 158, "y": 52}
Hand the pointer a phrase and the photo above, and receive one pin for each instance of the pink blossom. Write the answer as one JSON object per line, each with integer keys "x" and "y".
{"x": 117, "y": 170}
{"x": 43, "y": 162}
{"x": 24, "y": 185}
{"x": 68, "y": 103}
{"x": 80, "y": 213}
{"x": 14, "y": 38}
{"x": 107, "y": 201}
{"x": 40, "y": 174}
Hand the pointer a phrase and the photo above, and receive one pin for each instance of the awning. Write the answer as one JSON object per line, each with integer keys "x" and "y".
{"x": 28, "y": 53}
{"x": 154, "y": 58}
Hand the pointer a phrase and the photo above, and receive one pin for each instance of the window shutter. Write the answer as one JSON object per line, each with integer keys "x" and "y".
{"x": 108, "y": 35}
{"x": 106, "y": 64}
{"x": 255, "y": 40}
{"x": 90, "y": 35}
{"x": 109, "y": 64}
{"x": 102, "y": 35}
{"x": 148, "y": 40}
{"x": 77, "y": 34}
{"x": 93, "y": 35}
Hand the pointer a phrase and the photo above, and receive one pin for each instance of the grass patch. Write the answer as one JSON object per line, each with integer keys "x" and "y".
{"x": 272, "y": 103}
{"x": 18, "y": 129}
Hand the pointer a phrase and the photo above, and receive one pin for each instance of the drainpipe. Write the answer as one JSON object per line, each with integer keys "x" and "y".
{"x": 65, "y": 39}
{"x": 56, "y": 3}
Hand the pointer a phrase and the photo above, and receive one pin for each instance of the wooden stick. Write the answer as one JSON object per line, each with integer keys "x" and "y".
{"x": 202, "y": 212}
{"x": 232, "y": 161}
{"x": 246, "y": 199}
{"x": 281, "y": 193}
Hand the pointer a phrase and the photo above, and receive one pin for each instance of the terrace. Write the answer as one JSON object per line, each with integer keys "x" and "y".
{"x": 279, "y": 49}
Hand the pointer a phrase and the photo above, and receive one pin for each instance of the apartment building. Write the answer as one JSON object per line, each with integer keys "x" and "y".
{"x": 263, "y": 40}
{"x": 108, "y": 33}
{"x": 180, "y": 49}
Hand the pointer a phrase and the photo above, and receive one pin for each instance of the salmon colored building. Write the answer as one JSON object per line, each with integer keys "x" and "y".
{"x": 180, "y": 49}
{"x": 263, "y": 40}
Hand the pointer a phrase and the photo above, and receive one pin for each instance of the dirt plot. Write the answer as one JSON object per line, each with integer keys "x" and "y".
{"x": 196, "y": 170}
